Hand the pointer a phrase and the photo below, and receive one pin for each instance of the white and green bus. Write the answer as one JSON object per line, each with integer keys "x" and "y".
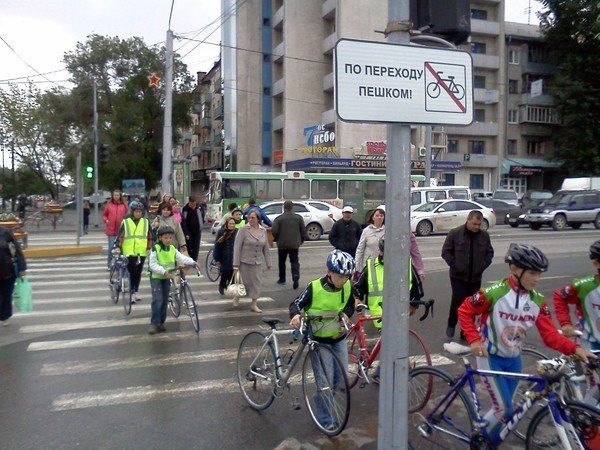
{"x": 364, "y": 192}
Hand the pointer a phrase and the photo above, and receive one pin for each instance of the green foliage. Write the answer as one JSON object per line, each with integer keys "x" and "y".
{"x": 572, "y": 31}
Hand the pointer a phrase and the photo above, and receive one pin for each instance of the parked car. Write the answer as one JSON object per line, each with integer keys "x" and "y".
{"x": 506, "y": 195}
{"x": 317, "y": 222}
{"x": 420, "y": 196}
{"x": 442, "y": 216}
{"x": 336, "y": 213}
{"x": 482, "y": 195}
{"x": 534, "y": 197}
{"x": 502, "y": 209}
{"x": 567, "y": 208}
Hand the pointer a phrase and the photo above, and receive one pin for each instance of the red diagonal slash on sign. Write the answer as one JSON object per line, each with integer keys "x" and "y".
{"x": 446, "y": 88}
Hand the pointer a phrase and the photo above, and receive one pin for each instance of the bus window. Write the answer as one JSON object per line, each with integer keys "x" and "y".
{"x": 461, "y": 194}
{"x": 324, "y": 189}
{"x": 296, "y": 189}
{"x": 350, "y": 190}
{"x": 214, "y": 192}
{"x": 435, "y": 195}
{"x": 415, "y": 198}
{"x": 237, "y": 189}
{"x": 267, "y": 189}
{"x": 375, "y": 190}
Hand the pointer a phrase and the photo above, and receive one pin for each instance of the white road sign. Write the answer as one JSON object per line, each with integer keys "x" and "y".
{"x": 381, "y": 82}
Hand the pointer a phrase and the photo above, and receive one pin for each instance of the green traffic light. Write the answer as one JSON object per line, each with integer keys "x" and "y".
{"x": 89, "y": 172}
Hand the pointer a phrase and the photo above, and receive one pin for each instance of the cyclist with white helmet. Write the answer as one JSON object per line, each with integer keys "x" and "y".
{"x": 333, "y": 298}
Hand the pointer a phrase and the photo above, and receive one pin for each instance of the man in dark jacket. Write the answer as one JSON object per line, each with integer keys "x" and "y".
{"x": 12, "y": 264}
{"x": 468, "y": 252}
{"x": 191, "y": 223}
{"x": 345, "y": 233}
{"x": 263, "y": 217}
{"x": 289, "y": 233}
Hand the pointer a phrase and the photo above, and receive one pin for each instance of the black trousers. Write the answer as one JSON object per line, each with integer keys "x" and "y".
{"x": 193, "y": 246}
{"x": 225, "y": 278}
{"x": 6, "y": 290}
{"x": 283, "y": 254}
{"x": 460, "y": 291}
{"x": 135, "y": 267}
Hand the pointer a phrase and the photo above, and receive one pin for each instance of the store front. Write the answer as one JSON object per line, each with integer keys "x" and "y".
{"x": 522, "y": 174}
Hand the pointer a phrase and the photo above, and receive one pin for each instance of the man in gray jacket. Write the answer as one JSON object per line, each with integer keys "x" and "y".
{"x": 468, "y": 252}
{"x": 289, "y": 233}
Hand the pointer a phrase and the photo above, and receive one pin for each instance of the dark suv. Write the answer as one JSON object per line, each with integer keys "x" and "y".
{"x": 572, "y": 208}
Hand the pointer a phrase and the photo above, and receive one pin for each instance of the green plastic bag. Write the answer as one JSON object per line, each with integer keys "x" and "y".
{"x": 22, "y": 295}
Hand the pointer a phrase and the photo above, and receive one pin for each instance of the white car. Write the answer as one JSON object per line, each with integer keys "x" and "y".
{"x": 442, "y": 216}
{"x": 336, "y": 213}
{"x": 317, "y": 222}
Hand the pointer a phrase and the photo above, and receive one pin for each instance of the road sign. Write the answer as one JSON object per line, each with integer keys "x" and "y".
{"x": 391, "y": 83}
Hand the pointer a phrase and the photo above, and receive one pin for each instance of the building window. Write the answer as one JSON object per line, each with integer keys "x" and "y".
{"x": 478, "y": 47}
{"x": 513, "y": 116}
{"x": 511, "y": 147}
{"x": 513, "y": 86}
{"x": 476, "y": 181}
{"x": 448, "y": 179}
{"x": 452, "y": 146}
{"x": 480, "y": 14}
{"x": 513, "y": 56}
{"x": 517, "y": 184}
{"x": 537, "y": 54}
{"x": 479, "y": 81}
{"x": 479, "y": 115}
{"x": 534, "y": 148}
{"x": 477, "y": 147}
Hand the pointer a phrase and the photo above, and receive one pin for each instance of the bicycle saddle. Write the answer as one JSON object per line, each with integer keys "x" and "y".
{"x": 271, "y": 321}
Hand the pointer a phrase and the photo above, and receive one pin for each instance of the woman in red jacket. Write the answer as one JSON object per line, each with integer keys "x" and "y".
{"x": 114, "y": 211}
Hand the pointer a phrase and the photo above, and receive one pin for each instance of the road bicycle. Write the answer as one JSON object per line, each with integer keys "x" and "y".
{"x": 264, "y": 374}
{"x": 119, "y": 282}
{"x": 361, "y": 359}
{"x": 434, "y": 89}
{"x": 213, "y": 269}
{"x": 180, "y": 295}
{"x": 445, "y": 413}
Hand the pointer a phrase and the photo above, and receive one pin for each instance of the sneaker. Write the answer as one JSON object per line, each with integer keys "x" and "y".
{"x": 280, "y": 281}
{"x": 161, "y": 328}
{"x": 450, "y": 332}
{"x": 295, "y": 284}
{"x": 153, "y": 329}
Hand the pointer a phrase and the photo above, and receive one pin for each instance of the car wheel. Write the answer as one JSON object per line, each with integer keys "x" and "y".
{"x": 424, "y": 228}
{"x": 514, "y": 225}
{"x": 575, "y": 225}
{"x": 535, "y": 226}
{"x": 485, "y": 225}
{"x": 559, "y": 222}
{"x": 314, "y": 231}
{"x": 597, "y": 222}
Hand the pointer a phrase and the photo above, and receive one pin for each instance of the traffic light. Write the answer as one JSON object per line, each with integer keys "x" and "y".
{"x": 89, "y": 172}
{"x": 449, "y": 19}
{"x": 103, "y": 154}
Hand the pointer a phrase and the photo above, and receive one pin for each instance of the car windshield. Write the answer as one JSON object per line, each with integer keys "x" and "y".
{"x": 559, "y": 198}
{"x": 428, "y": 207}
{"x": 505, "y": 195}
{"x": 540, "y": 195}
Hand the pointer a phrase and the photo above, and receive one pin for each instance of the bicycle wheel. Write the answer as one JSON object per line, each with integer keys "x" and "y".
{"x": 189, "y": 302}
{"x": 256, "y": 370}
{"x": 213, "y": 271}
{"x": 543, "y": 433}
{"x": 356, "y": 361}
{"x": 434, "y": 90}
{"x": 174, "y": 300}
{"x": 126, "y": 290}
{"x": 435, "y": 421}
{"x": 529, "y": 359}
{"x": 418, "y": 353}
{"x": 114, "y": 284}
{"x": 326, "y": 390}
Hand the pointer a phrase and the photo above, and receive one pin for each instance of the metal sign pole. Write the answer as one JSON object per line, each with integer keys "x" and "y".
{"x": 96, "y": 193}
{"x": 393, "y": 401}
{"x": 167, "y": 187}
{"x": 78, "y": 196}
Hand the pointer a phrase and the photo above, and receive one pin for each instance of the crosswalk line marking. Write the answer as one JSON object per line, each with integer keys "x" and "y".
{"x": 58, "y": 301}
{"x": 69, "y": 326}
{"x": 45, "y": 272}
{"x": 112, "y": 308}
{"x": 50, "y": 281}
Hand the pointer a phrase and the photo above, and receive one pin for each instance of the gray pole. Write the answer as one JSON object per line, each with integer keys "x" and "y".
{"x": 78, "y": 196}
{"x": 393, "y": 402}
{"x": 428, "y": 155}
{"x": 167, "y": 127}
{"x": 96, "y": 195}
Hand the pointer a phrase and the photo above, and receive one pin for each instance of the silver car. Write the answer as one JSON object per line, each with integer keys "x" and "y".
{"x": 317, "y": 222}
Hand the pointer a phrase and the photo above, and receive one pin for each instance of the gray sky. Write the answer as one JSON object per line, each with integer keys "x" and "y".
{"x": 42, "y": 30}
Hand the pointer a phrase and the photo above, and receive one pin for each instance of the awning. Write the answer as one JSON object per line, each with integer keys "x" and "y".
{"x": 527, "y": 166}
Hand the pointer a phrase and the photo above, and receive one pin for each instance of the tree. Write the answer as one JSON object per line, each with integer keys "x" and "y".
{"x": 571, "y": 29}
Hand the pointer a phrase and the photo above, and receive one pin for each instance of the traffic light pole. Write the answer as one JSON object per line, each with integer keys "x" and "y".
{"x": 167, "y": 126}
{"x": 79, "y": 196}
{"x": 96, "y": 195}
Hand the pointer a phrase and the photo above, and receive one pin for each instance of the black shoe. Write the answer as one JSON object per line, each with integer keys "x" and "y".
{"x": 295, "y": 284}
{"x": 221, "y": 291}
{"x": 153, "y": 329}
{"x": 280, "y": 281}
{"x": 161, "y": 328}
{"x": 450, "y": 332}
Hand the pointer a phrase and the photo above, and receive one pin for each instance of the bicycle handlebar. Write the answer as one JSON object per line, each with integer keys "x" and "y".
{"x": 428, "y": 307}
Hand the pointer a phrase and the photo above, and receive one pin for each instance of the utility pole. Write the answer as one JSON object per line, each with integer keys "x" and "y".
{"x": 96, "y": 194}
{"x": 167, "y": 127}
{"x": 79, "y": 196}
{"x": 393, "y": 399}
{"x": 14, "y": 174}
{"x": 428, "y": 130}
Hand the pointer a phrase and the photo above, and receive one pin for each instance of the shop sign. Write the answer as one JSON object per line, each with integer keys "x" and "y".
{"x": 521, "y": 171}
{"x": 375, "y": 147}
{"x": 278, "y": 156}
{"x": 320, "y": 140}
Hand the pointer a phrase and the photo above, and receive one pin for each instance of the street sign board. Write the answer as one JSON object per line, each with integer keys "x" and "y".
{"x": 392, "y": 83}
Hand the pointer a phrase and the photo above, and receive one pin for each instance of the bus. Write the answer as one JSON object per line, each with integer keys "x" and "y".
{"x": 363, "y": 192}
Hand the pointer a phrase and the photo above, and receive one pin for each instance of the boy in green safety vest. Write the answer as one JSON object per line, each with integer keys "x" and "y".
{"x": 133, "y": 241}
{"x": 164, "y": 258}
{"x": 237, "y": 216}
{"x": 331, "y": 295}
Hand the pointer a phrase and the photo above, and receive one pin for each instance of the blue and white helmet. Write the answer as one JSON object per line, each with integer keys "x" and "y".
{"x": 341, "y": 263}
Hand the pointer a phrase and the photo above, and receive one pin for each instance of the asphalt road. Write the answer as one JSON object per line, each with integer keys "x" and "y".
{"x": 76, "y": 373}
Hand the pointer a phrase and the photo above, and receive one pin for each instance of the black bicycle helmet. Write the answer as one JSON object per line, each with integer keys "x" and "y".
{"x": 381, "y": 243}
{"x": 165, "y": 229}
{"x": 136, "y": 205}
{"x": 595, "y": 251}
{"x": 526, "y": 257}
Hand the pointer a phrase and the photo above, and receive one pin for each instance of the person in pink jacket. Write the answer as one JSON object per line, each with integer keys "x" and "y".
{"x": 114, "y": 211}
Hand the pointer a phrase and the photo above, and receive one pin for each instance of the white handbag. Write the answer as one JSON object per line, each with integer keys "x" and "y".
{"x": 236, "y": 288}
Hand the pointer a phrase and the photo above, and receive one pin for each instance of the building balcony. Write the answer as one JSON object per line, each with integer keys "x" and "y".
{"x": 278, "y": 18}
{"x": 487, "y": 96}
{"x": 328, "y": 82}
{"x": 475, "y": 129}
{"x": 328, "y": 9}
{"x": 329, "y": 43}
{"x": 486, "y": 27}
{"x": 205, "y": 122}
{"x": 217, "y": 85}
{"x": 278, "y": 87}
{"x": 486, "y": 61}
{"x": 544, "y": 115}
{"x": 218, "y": 112}
{"x": 278, "y": 52}
{"x": 206, "y": 97}
{"x": 541, "y": 100}
{"x": 539, "y": 130}
{"x": 328, "y": 117}
{"x": 473, "y": 159}
{"x": 278, "y": 122}
{"x": 538, "y": 68}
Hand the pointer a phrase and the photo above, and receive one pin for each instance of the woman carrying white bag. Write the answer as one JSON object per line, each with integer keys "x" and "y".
{"x": 250, "y": 248}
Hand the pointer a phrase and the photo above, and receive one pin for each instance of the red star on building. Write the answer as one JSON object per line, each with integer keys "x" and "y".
{"x": 154, "y": 79}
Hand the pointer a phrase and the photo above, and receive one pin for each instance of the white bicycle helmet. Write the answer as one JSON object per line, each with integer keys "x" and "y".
{"x": 341, "y": 263}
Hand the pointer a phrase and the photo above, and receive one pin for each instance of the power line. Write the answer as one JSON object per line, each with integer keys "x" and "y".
{"x": 33, "y": 75}
{"x": 268, "y": 95}
{"x": 36, "y": 82}
{"x": 26, "y": 63}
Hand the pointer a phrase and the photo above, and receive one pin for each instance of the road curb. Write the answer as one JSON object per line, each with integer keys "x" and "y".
{"x": 47, "y": 251}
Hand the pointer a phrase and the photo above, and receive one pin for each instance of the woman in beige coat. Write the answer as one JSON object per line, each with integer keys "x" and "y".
{"x": 250, "y": 248}
{"x": 164, "y": 217}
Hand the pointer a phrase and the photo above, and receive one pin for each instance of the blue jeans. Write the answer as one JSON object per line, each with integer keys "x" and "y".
{"x": 160, "y": 298}
{"x": 325, "y": 373}
{"x": 111, "y": 243}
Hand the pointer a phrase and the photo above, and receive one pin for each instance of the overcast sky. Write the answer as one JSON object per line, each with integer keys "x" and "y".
{"x": 40, "y": 31}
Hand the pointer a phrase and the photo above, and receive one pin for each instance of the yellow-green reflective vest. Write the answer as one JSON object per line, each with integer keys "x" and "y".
{"x": 166, "y": 258}
{"x": 328, "y": 304}
{"x": 240, "y": 224}
{"x": 135, "y": 240}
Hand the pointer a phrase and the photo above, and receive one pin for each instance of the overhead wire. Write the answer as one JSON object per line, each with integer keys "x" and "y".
{"x": 33, "y": 75}
{"x": 26, "y": 63}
